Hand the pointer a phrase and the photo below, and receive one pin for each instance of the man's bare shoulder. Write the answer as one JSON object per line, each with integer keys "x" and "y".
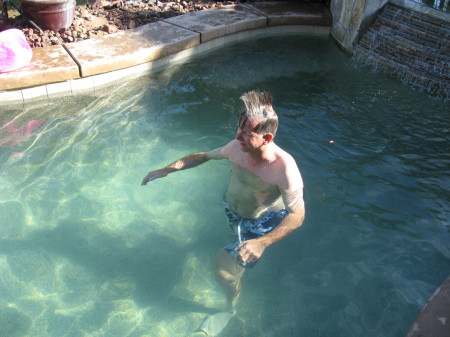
{"x": 285, "y": 159}
{"x": 290, "y": 177}
{"x": 223, "y": 152}
{"x": 231, "y": 149}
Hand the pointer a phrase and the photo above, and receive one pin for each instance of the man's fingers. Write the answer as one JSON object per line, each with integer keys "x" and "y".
{"x": 247, "y": 256}
{"x": 154, "y": 175}
{"x": 146, "y": 180}
{"x": 244, "y": 253}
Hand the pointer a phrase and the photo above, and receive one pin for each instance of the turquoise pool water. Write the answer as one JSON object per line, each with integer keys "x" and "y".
{"x": 86, "y": 251}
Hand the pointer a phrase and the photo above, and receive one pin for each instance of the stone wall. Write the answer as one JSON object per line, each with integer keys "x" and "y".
{"x": 411, "y": 44}
{"x": 351, "y": 18}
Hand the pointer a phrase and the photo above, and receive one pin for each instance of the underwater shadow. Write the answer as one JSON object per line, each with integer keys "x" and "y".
{"x": 154, "y": 268}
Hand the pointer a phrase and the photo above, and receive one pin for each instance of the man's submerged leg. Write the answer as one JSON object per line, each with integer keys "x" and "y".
{"x": 229, "y": 275}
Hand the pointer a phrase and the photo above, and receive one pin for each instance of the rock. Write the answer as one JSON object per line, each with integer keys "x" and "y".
{"x": 100, "y": 4}
{"x": 115, "y": 4}
{"x": 110, "y": 29}
{"x": 95, "y": 22}
{"x": 131, "y": 24}
{"x": 85, "y": 14}
{"x": 78, "y": 22}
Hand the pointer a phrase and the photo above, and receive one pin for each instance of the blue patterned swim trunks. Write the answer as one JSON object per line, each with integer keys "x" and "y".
{"x": 247, "y": 229}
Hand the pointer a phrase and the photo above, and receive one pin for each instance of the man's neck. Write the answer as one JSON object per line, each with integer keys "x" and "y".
{"x": 264, "y": 155}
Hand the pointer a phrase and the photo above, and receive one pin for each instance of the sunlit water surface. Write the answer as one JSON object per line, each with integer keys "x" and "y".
{"x": 86, "y": 251}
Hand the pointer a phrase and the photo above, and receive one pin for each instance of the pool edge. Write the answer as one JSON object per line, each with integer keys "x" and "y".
{"x": 252, "y": 23}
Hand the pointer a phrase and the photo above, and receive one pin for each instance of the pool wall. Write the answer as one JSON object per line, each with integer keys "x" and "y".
{"x": 351, "y": 18}
{"x": 88, "y": 65}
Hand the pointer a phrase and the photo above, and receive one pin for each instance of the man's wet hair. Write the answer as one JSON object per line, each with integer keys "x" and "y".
{"x": 258, "y": 107}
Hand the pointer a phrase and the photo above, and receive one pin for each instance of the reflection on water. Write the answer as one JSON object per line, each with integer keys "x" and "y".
{"x": 86, "y": 251}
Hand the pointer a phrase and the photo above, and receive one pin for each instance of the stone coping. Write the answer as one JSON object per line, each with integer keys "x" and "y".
{"x": 88, "y": 65}
{"x": 434, "y": 318}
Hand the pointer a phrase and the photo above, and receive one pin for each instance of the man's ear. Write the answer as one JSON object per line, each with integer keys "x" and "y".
{"x": 268, "y": 137}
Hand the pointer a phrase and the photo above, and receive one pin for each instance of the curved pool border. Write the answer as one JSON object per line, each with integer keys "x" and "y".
{"x": 87, "y": 66}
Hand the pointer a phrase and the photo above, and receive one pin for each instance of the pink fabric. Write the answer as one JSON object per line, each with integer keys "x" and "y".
{"x": 15, "y": 52}
{"x": 13, "y": 135}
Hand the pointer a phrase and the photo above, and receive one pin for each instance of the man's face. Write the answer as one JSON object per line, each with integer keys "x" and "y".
{"x": 249, "y": 141}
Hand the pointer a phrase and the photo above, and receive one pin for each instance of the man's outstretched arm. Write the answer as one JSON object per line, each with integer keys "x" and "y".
{"x": 184, "y": 163}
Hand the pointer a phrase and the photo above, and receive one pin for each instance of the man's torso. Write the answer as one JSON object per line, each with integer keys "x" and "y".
{"x": 253, "y": 190}
{"x": 250, "y": 196}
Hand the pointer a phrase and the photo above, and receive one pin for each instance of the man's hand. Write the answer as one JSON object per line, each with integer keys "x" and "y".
{"x": 152, "y": 175}
{"x": 251, "y": 250}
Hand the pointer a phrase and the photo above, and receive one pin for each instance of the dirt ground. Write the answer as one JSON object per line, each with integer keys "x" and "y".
{"x": 104, "y": 17}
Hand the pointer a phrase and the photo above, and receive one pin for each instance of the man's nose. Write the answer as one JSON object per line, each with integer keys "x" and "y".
{"x": 239, "y": 135}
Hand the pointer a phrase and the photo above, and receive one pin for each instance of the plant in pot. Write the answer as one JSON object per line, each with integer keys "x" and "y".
{"x": 49, "y": 14}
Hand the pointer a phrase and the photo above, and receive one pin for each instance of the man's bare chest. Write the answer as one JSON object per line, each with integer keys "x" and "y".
{"x": 255, "y": 179}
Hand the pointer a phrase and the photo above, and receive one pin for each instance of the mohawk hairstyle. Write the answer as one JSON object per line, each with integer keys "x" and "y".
{"x": 258, "y": 107}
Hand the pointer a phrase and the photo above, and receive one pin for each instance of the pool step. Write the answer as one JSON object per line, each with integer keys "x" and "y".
{"x": 413, "y": 46}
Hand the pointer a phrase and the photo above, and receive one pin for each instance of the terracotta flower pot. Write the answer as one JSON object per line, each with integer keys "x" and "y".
{"x": 50, "y": 14}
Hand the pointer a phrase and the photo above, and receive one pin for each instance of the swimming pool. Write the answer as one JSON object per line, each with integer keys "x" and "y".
{"x": 86, "y": 251}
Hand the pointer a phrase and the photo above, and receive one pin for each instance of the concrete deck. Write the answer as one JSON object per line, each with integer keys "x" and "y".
{"x": 91, "y": 64}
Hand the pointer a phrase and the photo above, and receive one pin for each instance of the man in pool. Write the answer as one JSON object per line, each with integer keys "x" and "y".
{"x": 263, "y": 202}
